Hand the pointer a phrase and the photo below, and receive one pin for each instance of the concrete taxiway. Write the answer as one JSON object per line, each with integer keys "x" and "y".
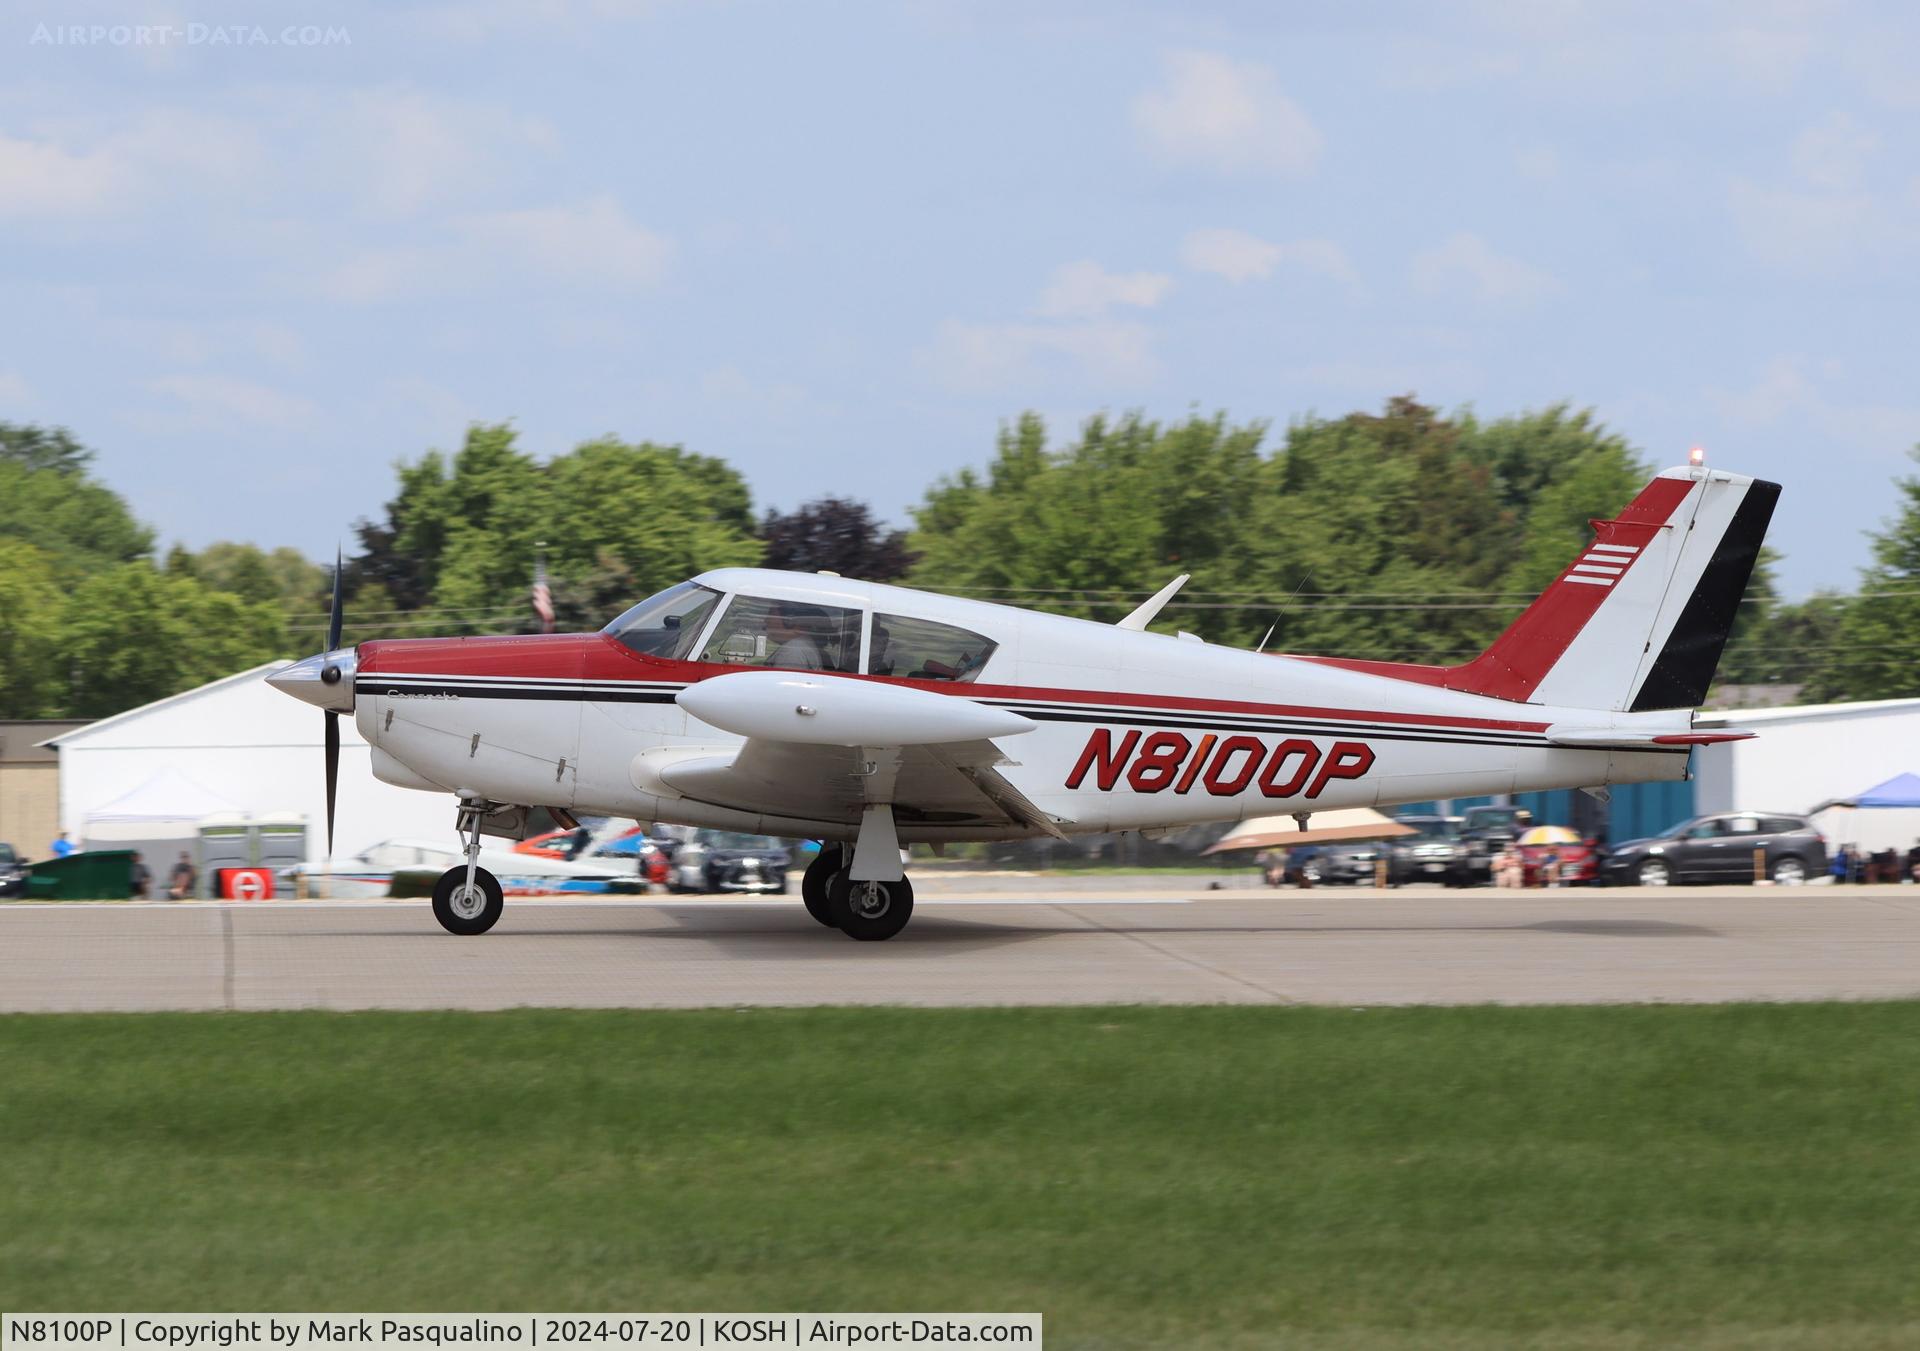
{"x": 1424, "y": 946}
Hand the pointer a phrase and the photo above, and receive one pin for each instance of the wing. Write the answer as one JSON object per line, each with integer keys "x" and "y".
{"x": 951, "y": 784}
{"x": 826, "y": 747}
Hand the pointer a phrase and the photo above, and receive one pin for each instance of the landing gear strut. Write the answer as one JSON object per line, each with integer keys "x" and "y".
{"x": 467, "y": 899}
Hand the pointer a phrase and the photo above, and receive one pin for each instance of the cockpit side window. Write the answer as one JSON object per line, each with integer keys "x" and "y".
{"x": 793, "y": 635}
{"x": 666, "y": 625}
{"x": 922, "y": 649}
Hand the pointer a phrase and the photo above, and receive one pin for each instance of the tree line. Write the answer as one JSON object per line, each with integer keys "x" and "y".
{"x": 1401, "y": 534}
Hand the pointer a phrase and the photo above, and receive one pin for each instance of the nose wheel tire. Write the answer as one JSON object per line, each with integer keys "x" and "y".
{"x": 814, "y": 881}
{"x": 869, "y": 911}
{"x": 463, "y": 910}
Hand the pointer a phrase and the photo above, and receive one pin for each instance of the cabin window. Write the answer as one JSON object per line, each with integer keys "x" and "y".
{"x": 666, "y": 625}
{"x": 921, "y": 649}
{"x": 792, "y": 635}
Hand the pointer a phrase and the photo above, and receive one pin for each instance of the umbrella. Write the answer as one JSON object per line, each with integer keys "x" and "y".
{"x": 1550, "y": 835}
{"x": 1280, "y": 832}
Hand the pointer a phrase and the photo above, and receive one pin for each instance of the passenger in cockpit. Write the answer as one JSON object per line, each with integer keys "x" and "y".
{"x": 791, "y": 626}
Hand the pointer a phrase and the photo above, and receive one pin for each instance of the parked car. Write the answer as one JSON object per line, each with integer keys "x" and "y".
{"x": 13, "y": 872}
{"x": 1484, "y": 832}
{"x": 726, "y": 860}
{"x": 1576, "y": 861}
{"x": 1720, "y": 848}
{"x": 1431, "y": 854}
{"x": 1426, "y": 855}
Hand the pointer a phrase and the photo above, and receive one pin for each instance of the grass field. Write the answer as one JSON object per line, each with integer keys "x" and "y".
{"x": 1743, "y": 1176}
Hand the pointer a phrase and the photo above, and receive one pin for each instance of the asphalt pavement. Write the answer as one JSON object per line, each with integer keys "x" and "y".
{"x": 1038, "y": 943}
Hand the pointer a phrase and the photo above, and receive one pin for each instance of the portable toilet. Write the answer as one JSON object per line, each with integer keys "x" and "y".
{"x": 226, "y": 841}
{"x": 281, "y": 840}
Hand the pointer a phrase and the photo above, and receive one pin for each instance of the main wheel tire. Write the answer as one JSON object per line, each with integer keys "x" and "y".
{"x": 869, "y": 911}
{"x": 467, "y": 912}
{"x": 1653, "y": 873}
{"x": 1789, "y": 872}
{"x": 815, "y": 880}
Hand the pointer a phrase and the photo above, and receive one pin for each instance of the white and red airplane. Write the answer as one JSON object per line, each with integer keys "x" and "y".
{"x": 870, "y": 716}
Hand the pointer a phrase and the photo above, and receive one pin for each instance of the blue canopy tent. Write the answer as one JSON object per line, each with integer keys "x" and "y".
{"x": 1902, "y": 790}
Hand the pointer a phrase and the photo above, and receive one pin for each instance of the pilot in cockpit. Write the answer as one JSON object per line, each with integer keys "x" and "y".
{"x": 792, "y": 626}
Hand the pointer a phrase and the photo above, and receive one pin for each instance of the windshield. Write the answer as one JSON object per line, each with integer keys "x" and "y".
{"x": 666, "y": 625}
{"x": 733, "y": 839}
{"x": 1431, "y": 828}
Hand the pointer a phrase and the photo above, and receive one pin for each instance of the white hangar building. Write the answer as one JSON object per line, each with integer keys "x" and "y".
{"x": 236, "y": 747}
{"x": 1809, "y": 755}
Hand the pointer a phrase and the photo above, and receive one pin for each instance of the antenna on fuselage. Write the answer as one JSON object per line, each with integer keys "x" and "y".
{"x": 1283, "y": 611}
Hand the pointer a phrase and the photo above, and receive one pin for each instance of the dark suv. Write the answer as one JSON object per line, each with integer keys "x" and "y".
{"x": 13, "y": 872}
{"x": 1720, "y": 848}
{"x": 1484, "y": 832}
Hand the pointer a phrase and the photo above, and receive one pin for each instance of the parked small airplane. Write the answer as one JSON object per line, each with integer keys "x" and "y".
{"x": 870, "y": 716}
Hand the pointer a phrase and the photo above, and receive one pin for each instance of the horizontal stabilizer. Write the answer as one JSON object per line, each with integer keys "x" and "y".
{"x": 1625, "y": 739}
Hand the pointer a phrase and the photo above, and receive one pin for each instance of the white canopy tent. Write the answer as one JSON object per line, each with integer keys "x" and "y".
{"x": 168, "y": 805}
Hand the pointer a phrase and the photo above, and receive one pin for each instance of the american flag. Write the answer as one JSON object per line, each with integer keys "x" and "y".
{"x": 542, "y": 597}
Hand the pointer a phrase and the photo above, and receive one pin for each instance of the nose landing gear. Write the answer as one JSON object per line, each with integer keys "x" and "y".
{"x": 467, "y": 899}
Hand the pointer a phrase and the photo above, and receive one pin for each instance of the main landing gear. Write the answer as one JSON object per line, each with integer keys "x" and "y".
{"x": 868, "y": 911}
{"x": 467, "y": 899}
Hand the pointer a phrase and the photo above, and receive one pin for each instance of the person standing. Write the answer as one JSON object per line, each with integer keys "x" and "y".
{"x": 142, "y": 881}
{"x": 61, "y": 846}
{"x": 180, "y": 882}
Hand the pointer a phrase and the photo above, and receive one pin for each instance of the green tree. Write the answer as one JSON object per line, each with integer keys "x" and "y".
{"x": 1875, "y": 647}
{"x": 131, "y": 634}
{"x": 459, "y": 537}
{"x": 1080, "y": 530}
{"x": 1399, "y": 534}
{"x": 30, "y": 606}
{"x": 48, "y": 499}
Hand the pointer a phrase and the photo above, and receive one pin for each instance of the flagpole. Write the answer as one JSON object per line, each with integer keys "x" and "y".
{"x": 542, "y": 593}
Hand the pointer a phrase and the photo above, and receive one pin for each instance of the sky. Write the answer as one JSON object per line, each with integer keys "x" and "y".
{"x": 255, "y": 253}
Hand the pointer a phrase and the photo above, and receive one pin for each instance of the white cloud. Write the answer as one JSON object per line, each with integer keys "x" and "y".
{"x": 593, "y": 243}
{"x": 222, "y": 400}
{"x": 1786, "y": 394}
{"x": 1239, "y": 256}
{"x": 1833, "y": 153}
{"x": 1213, "y": 112}
{"x": 1803, "y": 231}
{"x": 1086, "y": 289}
{"x": 86, "y": 169}
{"x": 1467, "y": 265}
{"x": 13, "y": 389}
{"x": 990, "y": 356}
{"x": 402, "y": 150}
{"x": 39, "y": 178}
{"x": 1233, "y": 254}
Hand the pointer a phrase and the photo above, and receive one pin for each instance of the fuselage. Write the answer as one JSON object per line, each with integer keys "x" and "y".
{"x": 1131, "y": 730}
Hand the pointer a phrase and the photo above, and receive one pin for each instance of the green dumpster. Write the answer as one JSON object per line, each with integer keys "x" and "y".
{"x": 98, "y": 875}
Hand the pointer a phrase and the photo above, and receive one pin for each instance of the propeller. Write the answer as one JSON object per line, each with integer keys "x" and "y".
{"x": 330, "y": 674}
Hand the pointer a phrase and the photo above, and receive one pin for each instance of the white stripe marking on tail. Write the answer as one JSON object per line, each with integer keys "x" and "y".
{"x": 1628, "y": 549}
